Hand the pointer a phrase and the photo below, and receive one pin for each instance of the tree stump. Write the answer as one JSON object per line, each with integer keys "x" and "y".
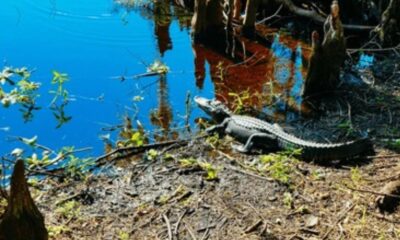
{"x": 22, "y": 219}
{"x": 313, "y": 83}
{"x": 327, "y": 58}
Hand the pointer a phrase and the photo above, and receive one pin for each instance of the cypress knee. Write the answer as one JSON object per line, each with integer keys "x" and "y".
{"x": 327, "y": 57}
{"x": 22, "y": 219}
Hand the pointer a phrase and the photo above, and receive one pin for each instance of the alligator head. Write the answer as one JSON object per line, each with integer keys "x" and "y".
{"x": 216, "y": 109}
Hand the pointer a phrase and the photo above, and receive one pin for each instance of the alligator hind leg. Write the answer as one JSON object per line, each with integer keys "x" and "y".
{"x": 263, "y": 138}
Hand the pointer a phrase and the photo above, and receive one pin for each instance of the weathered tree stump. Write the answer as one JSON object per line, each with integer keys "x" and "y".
{"x": 389, "y": 202}
{"x": 389, "y": 28}
{"x": 313, "y": 83}
{"x": 327, "y": 58}
{"x": 22, "y": 219}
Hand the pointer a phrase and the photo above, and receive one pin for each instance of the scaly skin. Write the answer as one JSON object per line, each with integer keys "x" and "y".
{"x": 271, "y": 136}
{"x": 310, "y": 150}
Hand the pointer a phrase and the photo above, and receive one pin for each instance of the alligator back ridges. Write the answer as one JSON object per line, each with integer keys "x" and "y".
{"x": 310, "y": 150}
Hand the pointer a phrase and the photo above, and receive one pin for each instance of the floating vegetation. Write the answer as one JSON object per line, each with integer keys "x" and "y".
{"x": 154, "y": 69}
{"x": 158, "y": 67}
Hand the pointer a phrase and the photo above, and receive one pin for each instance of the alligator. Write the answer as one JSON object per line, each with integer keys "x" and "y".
{"x": 256, "y": 133}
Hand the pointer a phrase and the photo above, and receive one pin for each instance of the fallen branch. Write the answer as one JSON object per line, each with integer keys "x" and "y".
{"x": 289, "y": 5}
{"x": 179, "y": 221}
{"x": 373, "y": 192}
{"x": 168, "y": 226}
{"x": 126, "y": 152}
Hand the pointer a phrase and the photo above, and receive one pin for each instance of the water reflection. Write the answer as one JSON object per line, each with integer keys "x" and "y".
{"x": 267, "y": 74}
{"x": 272, "y": 76}
{"x": 162, "y": 21}
{"x": 162, "y": 117}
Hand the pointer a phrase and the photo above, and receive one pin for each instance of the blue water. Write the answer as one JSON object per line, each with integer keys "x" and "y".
{"x": 94, "y": 41}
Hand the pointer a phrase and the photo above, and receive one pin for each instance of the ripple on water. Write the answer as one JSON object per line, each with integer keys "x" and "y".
{"x": 90, "y": 21}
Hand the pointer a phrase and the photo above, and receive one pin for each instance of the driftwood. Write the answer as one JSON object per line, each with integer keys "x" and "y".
{"x": 22, "y": 219}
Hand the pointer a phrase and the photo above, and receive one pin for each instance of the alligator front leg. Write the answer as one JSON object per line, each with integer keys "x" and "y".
{"x": 262, "y": 138}
{"x": 219, "y": 128}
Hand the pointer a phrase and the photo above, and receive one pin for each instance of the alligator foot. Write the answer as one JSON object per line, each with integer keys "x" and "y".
{"x": 261, "y": 138}
{"x": 240, "y": 148}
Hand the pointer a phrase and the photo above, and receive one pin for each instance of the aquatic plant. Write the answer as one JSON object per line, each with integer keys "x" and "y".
{"x": 158, "y": 67}
{"x": 17, "y": 88}
{"x": 58, "y": 107}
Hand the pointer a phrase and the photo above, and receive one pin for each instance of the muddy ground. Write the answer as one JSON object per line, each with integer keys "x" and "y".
{"x": 204, "y": 190}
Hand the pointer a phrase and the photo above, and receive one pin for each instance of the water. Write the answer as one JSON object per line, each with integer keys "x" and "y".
{"x": 96, "y": 41}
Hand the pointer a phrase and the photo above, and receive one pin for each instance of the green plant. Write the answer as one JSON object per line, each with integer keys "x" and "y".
{"x": 288, "y": 200}
{"x": 221, "y": 70}
{"x": 239, "y": 99}
{"x": 152, "y": 154}
{"x": 210, "y": 170}
{"x": 69, "y": 210}
{"x": 58, "y": 107}
{"x": 35, "y": 162}
{"x": 355, "y": 175}
{"x": 54, "y": 231}
{"x": 77, "y": 167}
{"x": 158, "y": 67}
{"x": 188, "y": 162}
{"x": 122, "y": 235}
{"x": 24, "y": 94}
{"x": 59, "y": 79}
{"x": 213, "y": 140}
{"x": 279, "y": 166}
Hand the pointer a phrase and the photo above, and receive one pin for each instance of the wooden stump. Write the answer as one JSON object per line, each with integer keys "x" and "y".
{"x": 327, "y": 58}
{"x": 313, "y": 83}
{"x": 22, "y": 219}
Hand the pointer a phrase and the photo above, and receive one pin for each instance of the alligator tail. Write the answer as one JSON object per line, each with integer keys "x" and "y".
{"x": 319, "y": 151}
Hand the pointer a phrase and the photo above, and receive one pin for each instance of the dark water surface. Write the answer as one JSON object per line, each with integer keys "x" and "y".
{"x": 95, "y": 41}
